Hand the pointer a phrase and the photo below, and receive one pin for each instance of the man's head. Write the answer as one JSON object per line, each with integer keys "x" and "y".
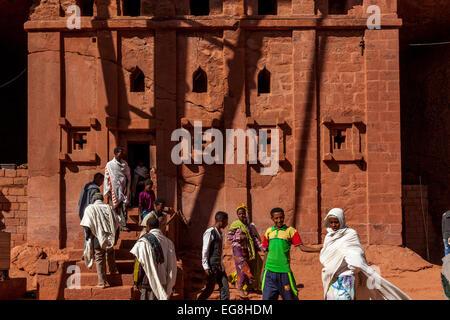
{"x": 97, "y": 196}
{"x": 277, "y": 216}
{"x": 159, "y": 204}
{"x": 221, "y": 219}
{"x": 140, "y": 163}
{"x": 119, "y": 153}
{"x": 98, "y": 179}
{"x": 148, "y": 185}
{"x": 152, "y": 223}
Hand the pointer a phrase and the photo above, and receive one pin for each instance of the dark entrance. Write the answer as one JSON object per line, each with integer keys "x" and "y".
{"x": 137, "y": 152}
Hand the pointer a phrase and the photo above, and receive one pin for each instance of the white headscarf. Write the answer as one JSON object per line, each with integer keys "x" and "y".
{"x": 339, "y": 214}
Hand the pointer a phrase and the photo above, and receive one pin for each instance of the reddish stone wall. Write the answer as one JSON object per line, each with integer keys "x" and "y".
{"x": 318, "y": 76}
{"x": 13, "y": 204}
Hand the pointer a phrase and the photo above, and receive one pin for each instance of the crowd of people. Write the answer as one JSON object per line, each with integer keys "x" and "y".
{"x": 345, "y": 274}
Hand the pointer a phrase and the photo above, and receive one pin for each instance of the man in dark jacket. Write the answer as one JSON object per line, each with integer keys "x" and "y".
{"x": 212, "y": 255}
{"x": 87, "y": 193}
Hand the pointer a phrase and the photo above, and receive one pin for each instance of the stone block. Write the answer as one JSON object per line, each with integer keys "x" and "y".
{"x": 42, "y": 266}
{"x": 10, "y": 173}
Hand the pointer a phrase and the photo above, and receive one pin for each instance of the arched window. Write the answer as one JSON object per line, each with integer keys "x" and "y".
{"x": 199, "y": 81}
{"x": 264, "y": 81}
{"x": 137, "y": 80}
{"x": 199, "y": 7}
{"x": 132, "y": 8}
{"x": 86, "y": 7}
{"x": 337, "y": 7}
{"x": 267, "y": 7}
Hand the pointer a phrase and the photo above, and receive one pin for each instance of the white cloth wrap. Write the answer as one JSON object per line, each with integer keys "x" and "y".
{"x": 343, "y": 247}
{"x": 117, "y": 181}
{"x": 103, "y": 223}
{"x": 162, "y": 277}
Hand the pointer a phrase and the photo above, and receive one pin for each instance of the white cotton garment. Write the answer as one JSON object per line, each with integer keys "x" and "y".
{"x": 117, "y": 181}
{"x": 103, "y": 223}
{"x": 162, "y": 277}
{"x": 343, "y": 248}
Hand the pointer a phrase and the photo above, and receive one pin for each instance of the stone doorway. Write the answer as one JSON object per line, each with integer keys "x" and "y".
{"x": 138, "y": 152}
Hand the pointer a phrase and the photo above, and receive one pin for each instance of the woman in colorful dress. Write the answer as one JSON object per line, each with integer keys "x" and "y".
{"x": 346, "y": 274}
{"x": 245, "y": 243}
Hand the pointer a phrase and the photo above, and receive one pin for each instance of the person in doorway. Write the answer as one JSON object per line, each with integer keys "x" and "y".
{"x": 117, "y": 185}
{"x": 212, "y": 255}
{"x": 101, "y": 225}
{"x": 146, "y": 200}
{"x": 86, "y": 197}
{"x": 140, "y": 176}
{"x": 346, "y": 274}
{"x": 278, "y": 278}
{"x": 156, "y": 263}
{"x": 245, "y": 245}
{"x": 446, "y": 231}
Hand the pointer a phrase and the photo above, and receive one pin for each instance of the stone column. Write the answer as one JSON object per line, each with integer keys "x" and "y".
{"x": 383, "y": 137}
{"x": 166, "y": 112}
{"x": 236, "y": 188}
{"x": 305, "y": 135}
{"x": 44, "y": 107}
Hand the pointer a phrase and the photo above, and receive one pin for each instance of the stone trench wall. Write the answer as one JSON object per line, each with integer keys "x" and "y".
{"x": 13, "y": 204}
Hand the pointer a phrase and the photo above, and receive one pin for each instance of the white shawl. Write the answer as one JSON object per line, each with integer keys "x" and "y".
{"x": 103, "y": 223}
{"x": 343, "y": 247}
{"x": 161, "y": 277}
{"x": 117, "y": 181}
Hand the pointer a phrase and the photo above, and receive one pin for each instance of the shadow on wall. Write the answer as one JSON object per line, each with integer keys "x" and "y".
{"x": 5, "y": 206}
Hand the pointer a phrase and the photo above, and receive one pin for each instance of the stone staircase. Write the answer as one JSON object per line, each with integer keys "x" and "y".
{"x": 121, "y": 284}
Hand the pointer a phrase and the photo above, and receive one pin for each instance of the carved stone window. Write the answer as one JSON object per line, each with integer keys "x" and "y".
{"x": 267, "y": 7}
{"x": 199, "y": 81}
{"x": 137, "y": 81}
{"x": 342, "y": 138}
{"x": 337, "y": 7}
{"x": 199, "y": 7}
{"x": 79, "y": 140}
{"x": 86, "y": 7}
{"x": 132, "y": 8}
{"x": 263, "y": 81}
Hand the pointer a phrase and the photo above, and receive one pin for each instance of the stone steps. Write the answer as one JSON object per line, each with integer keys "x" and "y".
{"x": 123, "y": 266}
{"x": 124, "y": 292}
{"x": 121, "y": 254}
{"x": 122, "y": 283}
{"x": 90, "y": 279}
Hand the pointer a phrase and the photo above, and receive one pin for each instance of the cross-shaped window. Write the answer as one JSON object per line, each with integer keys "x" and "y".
{"x": 339, "y": 139}
{"x": 79, "y": 140}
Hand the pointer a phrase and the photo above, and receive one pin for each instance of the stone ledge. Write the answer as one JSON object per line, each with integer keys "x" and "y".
{"x": 88, "y": 24}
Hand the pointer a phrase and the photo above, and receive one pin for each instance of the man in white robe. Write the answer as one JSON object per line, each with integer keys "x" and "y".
{"x": 101, "y": 226}
{"x": 117, "y": 185}
{"x": 156, "y": 263}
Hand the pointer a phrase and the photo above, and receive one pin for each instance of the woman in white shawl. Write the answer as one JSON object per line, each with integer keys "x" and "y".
{"x": 346, "y": 274}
